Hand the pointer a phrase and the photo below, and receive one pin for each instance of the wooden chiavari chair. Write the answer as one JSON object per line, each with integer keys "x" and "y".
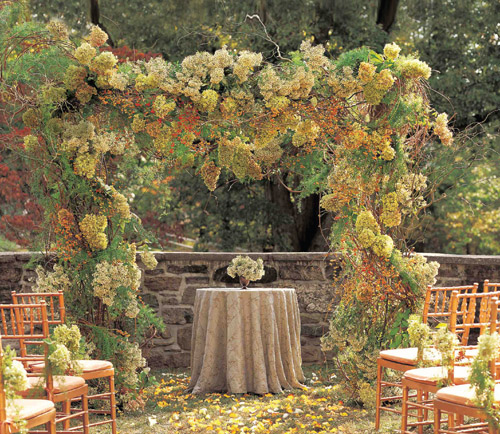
{"x": 457, "y": 401}
{"x": 28, "y": 325}
{"x": 91, "y": 369}
{"x": 35, "y": 412}
{"x": 426, "y": 381}
{"x": 436, "y": 310}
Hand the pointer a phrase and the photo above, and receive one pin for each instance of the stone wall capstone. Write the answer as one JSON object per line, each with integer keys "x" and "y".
{"x": 171, "y": 288}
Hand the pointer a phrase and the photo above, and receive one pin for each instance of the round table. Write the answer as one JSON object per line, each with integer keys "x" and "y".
{"x": 245, "y": 341}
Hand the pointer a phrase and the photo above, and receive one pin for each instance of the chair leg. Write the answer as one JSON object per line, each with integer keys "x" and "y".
{"x": 437, "y": 421}
{"x": 451, "y": 421}
{"x": 66, "y": 408}
{"x": 380, "y": 375}
{"x": 420, "y": 412}
{"x": 404, "y": 410}
{"x": 426, "y": 411}
{"x": 51, "y": 427}
{"x": 85, "y": 417}
{"x": 112, "y": 400}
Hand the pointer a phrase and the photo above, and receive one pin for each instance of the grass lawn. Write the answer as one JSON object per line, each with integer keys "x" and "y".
{"x": 319, "y": 409}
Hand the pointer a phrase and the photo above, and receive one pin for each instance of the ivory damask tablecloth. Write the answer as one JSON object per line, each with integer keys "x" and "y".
{"x": 245, "y": 341}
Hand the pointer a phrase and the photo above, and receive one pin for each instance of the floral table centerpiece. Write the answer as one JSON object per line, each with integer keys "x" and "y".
{"x": 247, "y": 269}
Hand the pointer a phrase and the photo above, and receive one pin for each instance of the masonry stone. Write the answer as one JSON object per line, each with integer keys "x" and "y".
{"x": 189, "y": 294}
{"x": 171, "y": 290}
{"x": 162, "y": 283}
{"x": 197, "y": 280}
{"x": 177, "y": 315}
{"x": 151, "y": 300}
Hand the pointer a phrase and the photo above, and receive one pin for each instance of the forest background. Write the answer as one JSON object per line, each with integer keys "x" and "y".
{"x": 459, "y": 39}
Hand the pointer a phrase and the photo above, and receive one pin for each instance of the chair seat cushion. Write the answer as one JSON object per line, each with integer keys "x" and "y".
{"x": 408, "y": 356}
{"x": 85, "y": 365}
{"x": 463, "y": 394}
{"x": 62, "y": 383}
{"x": 434, "y": 374}
{"x": 29, "y": 408}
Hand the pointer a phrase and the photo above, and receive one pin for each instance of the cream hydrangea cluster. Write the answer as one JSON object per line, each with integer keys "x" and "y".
{"x": 366, "y": 72}
{"x": 412, "y": 68}
{"x": 195, "y": 71}
{"x": 30, "y": 143}
{"x": 58, "y": 30}
{"x": 162, "y": 107}
{"x": 60, "y": 359}
{"x": 246, "y": 267}
{"x": 409, "y": 190}
{"x": 210, "y": 174}
{"x": 424, "y": 272}
{"x": 93, "y": 227}
{"x": 391, "y": 216}
{"x": 68, "y": 336}
{"x": 132, "y": 308}
{"x": 294, "y": 85}
{"x": 131, "y": 359}
{"x": 269, "y": 153}
{"x": 442, "y": 131}
{"x": 245, "y": 64}
{"x": 52, "y": 94}
{"x": 32, "y": 117}
{"x": 489, "y": 347}
{"x": 149, "y": 260}
{"x": 104, "y": 63}
{"x": 97, "y": 36}
{"x": 419, "y": 334}
{"x": 118, "y": 80}
{"x": 54, "y": 281}
{"x": 314, "y": 56}
{"x": 120, "y": 205}
{"x": 208, "y": 100}
{"x": 85, "y": 165}
{"x": 85, "y": 53}
{"x": 138, "y": 124}
{"x": 109, "y": 276}
{"x": 375, "y": 90}
{"x": 15, "y": 376}
{"x": 367, "y": 229}
{"x": 243, "y": 163}
{"x": 446, "y": 342}
{"x": 75, "y": 77}
{"x": 387, "y": 152}
{"x": 383, "y": 246}
{"x": 343, "y": 82}
{"x": 307, "y": 131}
{"x": 391, "y": 51}
{"x": 278, "y": 103}
{"x": 369, "y": 235}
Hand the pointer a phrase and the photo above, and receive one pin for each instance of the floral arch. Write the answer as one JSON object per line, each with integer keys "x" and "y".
{"x": 354, "y": 129}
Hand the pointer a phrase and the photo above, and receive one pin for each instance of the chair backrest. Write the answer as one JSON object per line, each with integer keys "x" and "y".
{"x": 56, "y": 310}
{"x": 489, "y": 322}
{"x": 27, "y": 324}
{"x": 437, "y": 306}
{"x": 464, "y": 317}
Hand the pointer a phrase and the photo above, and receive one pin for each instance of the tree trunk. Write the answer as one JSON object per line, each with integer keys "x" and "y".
{"x": 95, "y": 19}
{"x": 387, "y": 13}
{"x": 300, "y": 228}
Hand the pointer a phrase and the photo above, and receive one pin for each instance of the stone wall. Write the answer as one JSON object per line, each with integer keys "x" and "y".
{"x": 171, "y": 288}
